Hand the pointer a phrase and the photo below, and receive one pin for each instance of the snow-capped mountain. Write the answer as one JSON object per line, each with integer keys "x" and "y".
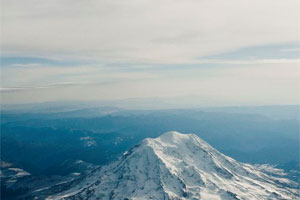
{"x": 180, "y": 166}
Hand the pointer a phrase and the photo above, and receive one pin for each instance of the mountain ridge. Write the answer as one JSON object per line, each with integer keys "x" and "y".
{"x": 179, "y": 166}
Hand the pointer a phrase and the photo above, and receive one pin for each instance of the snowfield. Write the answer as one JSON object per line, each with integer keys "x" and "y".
{"x": 179, "y": 166}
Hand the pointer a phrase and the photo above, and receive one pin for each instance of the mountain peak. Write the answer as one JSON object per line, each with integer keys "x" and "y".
{"x": 180, "y": 166}
{"x": 175, "y": 137}
{"x": 173, "y": 134}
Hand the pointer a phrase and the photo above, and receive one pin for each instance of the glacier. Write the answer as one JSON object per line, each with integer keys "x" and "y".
{"x": 179, "y": 166}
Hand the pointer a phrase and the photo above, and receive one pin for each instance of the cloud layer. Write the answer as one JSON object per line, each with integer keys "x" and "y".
{"x": 150, "y": 31}
{"x": 243, "y": 52}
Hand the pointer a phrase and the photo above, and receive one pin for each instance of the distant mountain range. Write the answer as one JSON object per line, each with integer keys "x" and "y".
{"x": 49, "y": 150}
{"x": 92, "y": 108}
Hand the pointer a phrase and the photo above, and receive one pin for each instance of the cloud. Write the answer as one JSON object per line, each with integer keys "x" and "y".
{"x": 252, "y": 61}
{"x": 256, "y": 83}
{"x": 148, "y": 31}
{"x": 234, "y": 51}
{"x": 292, "y": 50}
{"x": 13, "y": 89}
{"x": 37, "y": 76}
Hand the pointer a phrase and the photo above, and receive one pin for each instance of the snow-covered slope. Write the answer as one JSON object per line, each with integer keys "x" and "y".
{"x": 180, "y": 166}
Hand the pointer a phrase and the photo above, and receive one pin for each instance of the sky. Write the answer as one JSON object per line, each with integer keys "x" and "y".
{"x": 212, "y": 52}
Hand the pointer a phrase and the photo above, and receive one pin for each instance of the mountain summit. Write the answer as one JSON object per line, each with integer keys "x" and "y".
{"x": 180, "y": 166}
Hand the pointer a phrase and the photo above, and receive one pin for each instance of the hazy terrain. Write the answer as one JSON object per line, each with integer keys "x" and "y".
{"x": 46, "y": 141}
